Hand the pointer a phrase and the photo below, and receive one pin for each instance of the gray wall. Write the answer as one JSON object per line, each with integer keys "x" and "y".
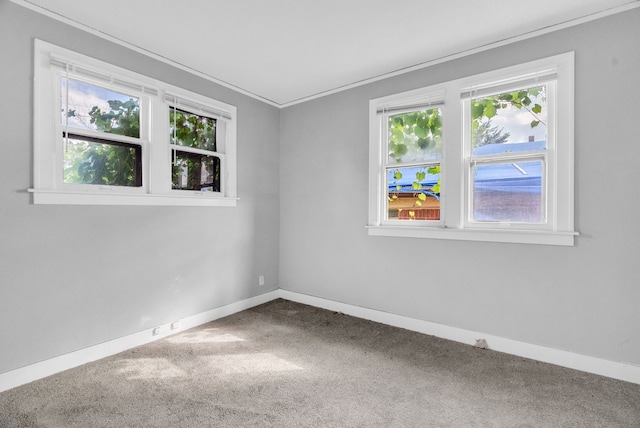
{"x": 583, "y": 299}
{"x": 76, "y": 276}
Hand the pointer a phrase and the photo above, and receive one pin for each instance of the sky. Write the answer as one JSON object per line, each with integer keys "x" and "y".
{"x": 517, "y": 122}
{"x": 83, "y": 97}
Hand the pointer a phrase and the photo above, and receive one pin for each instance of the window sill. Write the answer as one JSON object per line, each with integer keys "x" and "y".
{"x": 57, "y": 197}
{"x": 485, "y": 235}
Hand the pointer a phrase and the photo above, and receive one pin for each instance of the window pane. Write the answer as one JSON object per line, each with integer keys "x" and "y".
{"x": 191, "y": 130}
{"x": 508, "y": 192}
{"x": 193, "y": 171}
{"x": 86, "y": 106}
{"x": 415, "y": 136}
{"x": 413, "y": 193}
{"x": 94, "y": 161}
{"x": 510, "y": 122}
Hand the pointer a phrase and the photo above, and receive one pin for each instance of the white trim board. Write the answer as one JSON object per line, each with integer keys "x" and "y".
{"x": 32, "y": 372}
{"x": 598, "y": 366}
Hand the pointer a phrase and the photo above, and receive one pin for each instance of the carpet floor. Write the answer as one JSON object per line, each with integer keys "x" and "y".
{"x": 284, "y": 364}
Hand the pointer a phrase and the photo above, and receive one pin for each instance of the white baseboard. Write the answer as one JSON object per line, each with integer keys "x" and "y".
{"x": 23, "y": 375}
{"x": 612, "y": 369}
{"x": 30, "y": 373}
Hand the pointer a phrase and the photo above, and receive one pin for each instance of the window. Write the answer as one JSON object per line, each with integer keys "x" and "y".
{"x": 100, "y": 136}
{"x": 489, "y": 157}
{"x": 104, "y": 135}
{"x": 411, "y": 162}
{"x": 509, "y": 156}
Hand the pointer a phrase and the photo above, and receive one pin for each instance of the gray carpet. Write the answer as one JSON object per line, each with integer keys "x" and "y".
{"x": 284, "y": 364}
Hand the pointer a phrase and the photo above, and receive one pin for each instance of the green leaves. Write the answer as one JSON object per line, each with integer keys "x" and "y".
{"x": 87, "y": 162}
{"x": 490, "y": 109}
{"x": 192, "y": 130}
{"x": 399, "y": 150}
{"x": 422, "y": 127}
{"x": 477, "y": 109}
{"x": 534, "y": 92}
{"x": 413, "y": 134}
{"x": 484, "y": 109}
{"x": 420, "y": 176}
{"x": 123, "y": 118}
{"x": 416, "y": 196}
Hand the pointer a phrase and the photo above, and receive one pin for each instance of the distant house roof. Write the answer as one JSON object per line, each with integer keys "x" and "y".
{"x": 492, "y": 149}
{"x": 515, "y": 177}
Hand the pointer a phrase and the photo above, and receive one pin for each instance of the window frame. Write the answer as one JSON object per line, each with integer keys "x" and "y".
{"x": 53, "y": 62}
{"x": 548, "y": 157}
{"x": 61, "y": 129}
{"x": 427, "y": 102}
{"x": 456, "y": 161}
{"x": 118, "y": 142}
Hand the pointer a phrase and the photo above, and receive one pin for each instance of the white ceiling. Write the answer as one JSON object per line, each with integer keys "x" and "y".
{"x": 287, "y": 51}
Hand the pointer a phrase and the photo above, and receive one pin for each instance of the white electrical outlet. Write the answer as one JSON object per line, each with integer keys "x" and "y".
{"x": 261, "y": 280}
{"x": 175, "y": 325}
{"x": 156, "y": 331}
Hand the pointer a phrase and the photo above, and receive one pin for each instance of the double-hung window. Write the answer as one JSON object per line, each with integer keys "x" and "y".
{"x": 510, "y": 153}
{"x": 105, "y": 135}
{"x": 197, "y": 137}
{"x": 489, "y": 157}
{"x": 410, "y": 160}
{"x": 101, "y": 141}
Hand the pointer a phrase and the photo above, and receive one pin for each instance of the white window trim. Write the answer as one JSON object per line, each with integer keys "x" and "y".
{"x": 455, "y": 163}
{"x": 431, "y": 99}
{"x": 155, "y": 141}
